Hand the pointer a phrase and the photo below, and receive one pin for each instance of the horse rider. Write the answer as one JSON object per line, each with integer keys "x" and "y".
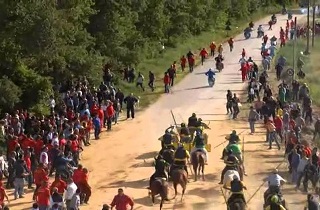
{"x": 160, "y": 170}
{"x": 184, "y": 133}
{"x": 231, "y": 164}
{"x": 275, "y": 203}
{"x": 274, "y": 182}
{"x": 192, "y": 121}
{"x": 181, "y": 156}
{"x": 167, "y": 139}
{"x": 200, "y": 124}
{"x": 199, "y": 145}
{"x": 237, "y": 188}
{"x": 233, "y": 137}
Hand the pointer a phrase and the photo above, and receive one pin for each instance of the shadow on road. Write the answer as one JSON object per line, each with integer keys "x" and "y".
{"x": 147, "y": 155}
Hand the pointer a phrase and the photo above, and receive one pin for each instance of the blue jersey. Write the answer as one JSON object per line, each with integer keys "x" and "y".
{"x": 210, "y": 74}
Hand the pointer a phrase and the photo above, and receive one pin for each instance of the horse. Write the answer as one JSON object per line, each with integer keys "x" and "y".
{"x": 159, "y": 187}
{"x": 197, "y": 160}
{"x": 237, "y": 204}
{"x": 179, "y": 176}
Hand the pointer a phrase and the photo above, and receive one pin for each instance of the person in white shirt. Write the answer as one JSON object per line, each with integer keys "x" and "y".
{"x": 274, "y": 182}
{"x": 300, "y": 169}
{"x": 52, "y": 103}
{"x": 55, "y": 139}
{"x": 75, "y": 201}
{"x": 44, "y": 158}
{"x": 71, "y": 191}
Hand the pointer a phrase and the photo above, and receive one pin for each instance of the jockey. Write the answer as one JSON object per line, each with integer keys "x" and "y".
{"x": 160, "y": 167}
{"x": 199, "y": 145}
{"x": 181, "y": 157}
{"x": 201, "y": 124}
{"x": 192, "y": 121}
{"x": 275, "y": 203}
{"x": 237, "y": 187}
{"x": 167, "y": 138}
{"x": 231, "y": 164}
{"x": 274, "y": 181}
{"x": 233, "y": 137}
{"x": 184, "y": 133}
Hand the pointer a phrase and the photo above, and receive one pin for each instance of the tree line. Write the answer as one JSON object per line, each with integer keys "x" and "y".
{"x": 45, "y": 42}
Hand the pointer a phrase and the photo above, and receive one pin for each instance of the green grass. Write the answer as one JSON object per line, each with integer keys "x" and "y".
{"x": 194, "y": 43}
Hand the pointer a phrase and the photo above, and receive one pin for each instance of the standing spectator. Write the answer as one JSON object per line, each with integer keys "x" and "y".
{"x": 295, "y": 160}
{"x": 97, "y": 126}
{"x": 56, "y": 199}
{"x": 75, "y": 201}
{"x": 191, "y": 62}
{"x": 39, "y": 176}
{"x": 43, "y": 196}
{"x": 44, "y": 158}
{"x": 20, "y": 172}
{"x": 183, "y": 62}
{"x": 172, "y": 74}
{"x": 71, "y": 190}
{"x": 52, "y": 104}
{"x": 131, "y": 75}
{"x": 212, "y": 48}
{"x": 271, "y": 134}
{"x": 166, "y": 81}
{"x": 119, "y": 95}
{"x": 301, "y": 168}
{"x": 140, "y": 80}
{"x": 59, "y": 184}
{"x": 130, "y": 101}
{"x": 151, "y": 80}
{"x": 84, "y": 185}
{"x": 121, "y": 201}
{"x": 252, "y": 118}
{"x": 110, "y": 114}
{"x": 11, "y": 163}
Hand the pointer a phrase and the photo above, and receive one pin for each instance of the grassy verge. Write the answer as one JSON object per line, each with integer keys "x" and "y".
{"x": 161, "y": 64}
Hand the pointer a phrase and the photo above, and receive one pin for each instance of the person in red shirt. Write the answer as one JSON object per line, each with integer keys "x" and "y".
{"x": 110, "y": 114}
{"x": 43, "y": 196}
{"x": 213, "y": 47}
{"x": 121, "y": 201}
{"x": 27, "y": 142}
{"x": 77, "y": 175}
{"x": 243, "y": 70}
{"x": 243, "y": 53}
{"x": 101, "y": 117}
{"x": 279, "y": 126}
{"x": 3, "y": 195}
{"x": 183, "y": 62}
{"x": 59, "y": 184}
{"x": 39, "y": 175}
{"x": 27, "y": 160}
{"x": 282, "y": 41}
{"x": 166, "y": 81}
{"x": 191, "y": 62}
{"x": 230, "y": 42}
{"x": 84, "y": 185}
{"x": 12, "y": 144}
{"x": 38, "y": 146}
{"x": 203, "y": 54}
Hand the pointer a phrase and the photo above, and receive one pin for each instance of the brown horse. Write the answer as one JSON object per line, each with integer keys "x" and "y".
{"x": 179, "y": 176}
{"x": 197, "y": 160}
{"x": 237, "y": 204}
{"x": 159, "y": 187}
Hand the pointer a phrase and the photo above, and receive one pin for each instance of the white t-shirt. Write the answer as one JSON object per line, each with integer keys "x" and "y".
{"x": 55, "y": 141}
{"x": 275, "y": 179}
{"x": 71, "y": 190}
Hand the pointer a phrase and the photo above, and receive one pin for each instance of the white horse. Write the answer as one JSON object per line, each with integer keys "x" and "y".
{"x": 228, "y": 177}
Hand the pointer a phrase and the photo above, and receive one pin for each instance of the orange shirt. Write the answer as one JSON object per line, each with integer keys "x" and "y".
{"x": 43, "y": 196}
{"x": 212, "y": 46}
{"x": 60, "y": 184}
{"x": 183, "y": 61}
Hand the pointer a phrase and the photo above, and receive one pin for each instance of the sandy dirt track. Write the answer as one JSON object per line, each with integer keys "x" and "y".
{"x": 122, "y": 158}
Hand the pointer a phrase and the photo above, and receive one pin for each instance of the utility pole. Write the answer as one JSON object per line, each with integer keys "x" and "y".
{"x": 308, "y": 30}
{"x": 313, "y": 22}
{"x": 294, "y": 46}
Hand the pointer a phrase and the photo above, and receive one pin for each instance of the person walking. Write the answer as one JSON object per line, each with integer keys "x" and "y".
{"x": 140, "y": 80}
{"x": 130, "y": 101}
{"x": 166, "y": 81}
{"x": 271, "y": 134}
{"x": 151, "y": 80}
{"x": 252, "y": 118}
{"x": 121, "y": 201}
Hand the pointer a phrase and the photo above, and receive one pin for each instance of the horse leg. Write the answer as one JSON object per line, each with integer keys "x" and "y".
{"x": 175, "y": 189}
{"x": 202, "y": 170}
{"x": 195, "y": 172}
{"x": 183, "y": 190}
{"x": 161, "y": 203}
{"x": 153, "y": 199}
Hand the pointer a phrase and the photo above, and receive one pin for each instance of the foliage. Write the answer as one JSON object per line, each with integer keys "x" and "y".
{"x": 44, "y": 42}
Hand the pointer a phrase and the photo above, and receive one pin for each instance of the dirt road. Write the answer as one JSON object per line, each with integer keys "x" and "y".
{"x": 122, "y": 158}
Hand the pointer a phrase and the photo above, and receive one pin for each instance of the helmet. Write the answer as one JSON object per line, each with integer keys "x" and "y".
{"x": 210, "y": 69}
{"x": 235, "y": 177}
{"x": 183, "y": 125}
{"x": 193, "y": 114}
{"x": 274, "y": 199}
{"x": 234, "y": 132}
{"x": 199, "y": 119}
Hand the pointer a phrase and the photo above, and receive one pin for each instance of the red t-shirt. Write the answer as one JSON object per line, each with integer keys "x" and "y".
{"x": 74, "y": 145}
{"x": 77, "y": 175}
{"x": 27, "y": 143}
{"x": 28, "y": 162}
{"x": 12, "y": 145}
{"x": 43, "y": 196}
{"x": 62, "y": 142}
{"x": 38, "y": 146}
{"x": 60, "y": 184}
{"x": 39, "y": 175}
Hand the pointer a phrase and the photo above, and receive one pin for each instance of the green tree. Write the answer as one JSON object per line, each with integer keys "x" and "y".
{"x": 10, "y": 94}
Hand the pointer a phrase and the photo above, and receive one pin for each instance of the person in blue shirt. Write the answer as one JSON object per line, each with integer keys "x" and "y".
{"x": 97, "y": 126}
{"x": 211, "y": 76}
